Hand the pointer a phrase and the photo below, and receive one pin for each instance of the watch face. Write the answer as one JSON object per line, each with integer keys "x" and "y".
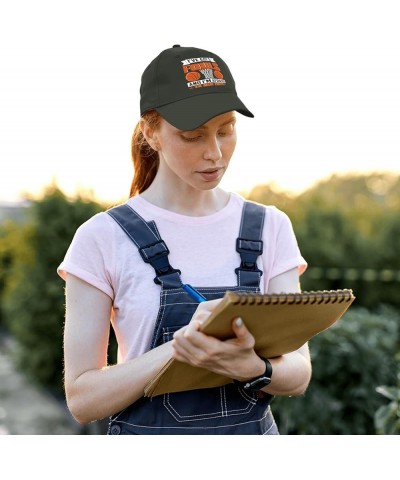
{"x": 257, "y": 383}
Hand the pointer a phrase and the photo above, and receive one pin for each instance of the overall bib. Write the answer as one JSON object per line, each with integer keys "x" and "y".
{"x": 213, "y": 411}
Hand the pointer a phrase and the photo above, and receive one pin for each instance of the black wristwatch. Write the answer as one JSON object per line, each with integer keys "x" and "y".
{"x": 259, "y": 382}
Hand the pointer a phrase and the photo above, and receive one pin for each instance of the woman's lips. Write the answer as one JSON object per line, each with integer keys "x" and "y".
{"x": 211, "y": 174}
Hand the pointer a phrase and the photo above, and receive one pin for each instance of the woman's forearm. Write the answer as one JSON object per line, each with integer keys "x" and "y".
{"x": 291, "y": 373}
{"x": 99, "y": 393}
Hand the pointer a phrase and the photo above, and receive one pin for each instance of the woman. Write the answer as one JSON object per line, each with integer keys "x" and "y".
{"x": 178, "y": 227}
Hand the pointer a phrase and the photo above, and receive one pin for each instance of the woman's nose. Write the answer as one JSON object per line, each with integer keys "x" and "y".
{"x": 213, "y": 150}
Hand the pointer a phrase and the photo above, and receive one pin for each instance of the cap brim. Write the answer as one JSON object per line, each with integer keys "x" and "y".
{"x": 191, "y": 113}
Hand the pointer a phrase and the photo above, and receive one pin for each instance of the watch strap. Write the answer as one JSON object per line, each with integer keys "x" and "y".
{"x": 260, "y": 381}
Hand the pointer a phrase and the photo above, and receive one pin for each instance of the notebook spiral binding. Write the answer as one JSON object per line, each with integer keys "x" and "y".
{"x": 311, "y": 297}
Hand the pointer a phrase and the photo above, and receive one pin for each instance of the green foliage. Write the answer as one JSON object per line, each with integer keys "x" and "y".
{"x": 15, "y": 254}
{"x": 387, "y": 417}
{"x": 34, "y": 296}
{"x": 350, "y": 360}
{"x": 348, "y": 228}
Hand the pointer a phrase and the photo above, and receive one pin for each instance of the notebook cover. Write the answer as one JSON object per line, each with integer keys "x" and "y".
{"x": 280, "y": 323}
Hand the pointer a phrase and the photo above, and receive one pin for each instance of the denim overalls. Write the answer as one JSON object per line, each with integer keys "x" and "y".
{"x": 213, "y": 411}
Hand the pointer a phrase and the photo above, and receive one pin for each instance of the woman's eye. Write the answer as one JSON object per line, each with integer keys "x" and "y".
{"x": 223, "y": 133}
{"x": 190, "y": 139}
{"x": 227, "y": 130}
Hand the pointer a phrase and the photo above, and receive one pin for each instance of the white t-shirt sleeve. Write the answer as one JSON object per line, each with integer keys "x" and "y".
{"x": 91, "y": 254}
{"x": 285, "y": 251}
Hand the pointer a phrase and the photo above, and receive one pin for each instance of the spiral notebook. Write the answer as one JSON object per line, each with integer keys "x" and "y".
{"x": 280, "y": 323}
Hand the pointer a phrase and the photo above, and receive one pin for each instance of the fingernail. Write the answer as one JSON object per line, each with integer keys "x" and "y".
{"x": 239, "y": 322}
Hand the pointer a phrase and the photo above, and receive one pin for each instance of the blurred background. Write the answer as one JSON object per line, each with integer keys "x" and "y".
{"x": 323, "y": 81}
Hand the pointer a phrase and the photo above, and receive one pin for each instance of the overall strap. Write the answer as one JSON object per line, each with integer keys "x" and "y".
{"x": 249, "y": 244}
{"x": 152, "y": 248}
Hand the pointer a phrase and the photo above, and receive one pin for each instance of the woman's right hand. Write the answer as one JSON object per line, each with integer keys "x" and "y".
{"x": 234, "y": 358}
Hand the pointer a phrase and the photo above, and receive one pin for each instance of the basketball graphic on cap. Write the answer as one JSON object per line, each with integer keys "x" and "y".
{"x": 218, "y": 74}
{"x": 192, "y": 76}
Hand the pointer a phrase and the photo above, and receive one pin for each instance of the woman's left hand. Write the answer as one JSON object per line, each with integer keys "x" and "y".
{"x": 234, "y": 358}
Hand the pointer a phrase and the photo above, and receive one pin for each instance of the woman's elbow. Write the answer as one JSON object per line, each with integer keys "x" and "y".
{"x": 80, "y": 405}
{"x": 78, "y": 411}
{"x": 301, "y": 388}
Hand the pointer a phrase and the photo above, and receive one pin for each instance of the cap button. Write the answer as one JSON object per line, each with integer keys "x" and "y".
{"x": 175, "y": 46}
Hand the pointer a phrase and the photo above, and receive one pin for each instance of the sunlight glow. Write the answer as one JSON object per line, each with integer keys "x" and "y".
{"x": 323, "y": 82}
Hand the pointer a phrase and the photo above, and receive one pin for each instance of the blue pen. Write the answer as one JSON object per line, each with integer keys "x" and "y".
{"x": 193, "y": 293}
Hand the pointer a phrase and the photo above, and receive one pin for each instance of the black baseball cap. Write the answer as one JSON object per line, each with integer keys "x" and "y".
{"x": 188, "y": 86}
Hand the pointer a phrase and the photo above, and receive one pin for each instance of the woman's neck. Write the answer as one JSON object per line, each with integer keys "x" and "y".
{"x": 187, "y": 201}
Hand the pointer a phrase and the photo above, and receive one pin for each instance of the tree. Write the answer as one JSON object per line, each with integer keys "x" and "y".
{"x": 15, "y": 255}
{"x": 348, "y": 229}
{"x": 34, "y": 297}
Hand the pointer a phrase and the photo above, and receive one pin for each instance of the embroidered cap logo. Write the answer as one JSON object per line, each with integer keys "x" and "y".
{"x": 202, "y": 72}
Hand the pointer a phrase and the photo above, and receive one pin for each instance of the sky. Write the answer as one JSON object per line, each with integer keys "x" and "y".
{"x": 321, "y": 77}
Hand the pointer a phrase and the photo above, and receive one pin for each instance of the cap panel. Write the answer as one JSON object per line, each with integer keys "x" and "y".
{"x": 183, "y": 72}
{"x": 179, "y": 75}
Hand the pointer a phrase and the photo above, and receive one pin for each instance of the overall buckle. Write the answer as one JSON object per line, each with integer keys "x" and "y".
{"x": 249, "y": 251}
{"x": 157, "y": 255}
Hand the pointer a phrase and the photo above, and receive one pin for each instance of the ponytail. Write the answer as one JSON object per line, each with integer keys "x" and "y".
{"x": 145, "y": 159}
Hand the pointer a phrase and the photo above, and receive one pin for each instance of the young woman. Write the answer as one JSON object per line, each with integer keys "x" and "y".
{"x": 178, "y": 227}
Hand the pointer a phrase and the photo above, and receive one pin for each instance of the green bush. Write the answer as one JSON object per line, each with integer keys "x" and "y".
{"x": 387, "y": 417}
{"x": 350, "y": 360}
{"x": 33, "y": 300}
{"x": 15, "y": 255}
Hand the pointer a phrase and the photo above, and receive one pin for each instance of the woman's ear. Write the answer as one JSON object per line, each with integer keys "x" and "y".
{"x": 149, "y": 134}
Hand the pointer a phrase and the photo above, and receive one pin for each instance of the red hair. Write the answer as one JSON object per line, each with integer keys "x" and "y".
{"x": 145, "y": 159}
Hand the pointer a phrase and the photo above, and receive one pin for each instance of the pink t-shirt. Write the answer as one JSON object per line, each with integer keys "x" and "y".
{"x": 203, "y": 248}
